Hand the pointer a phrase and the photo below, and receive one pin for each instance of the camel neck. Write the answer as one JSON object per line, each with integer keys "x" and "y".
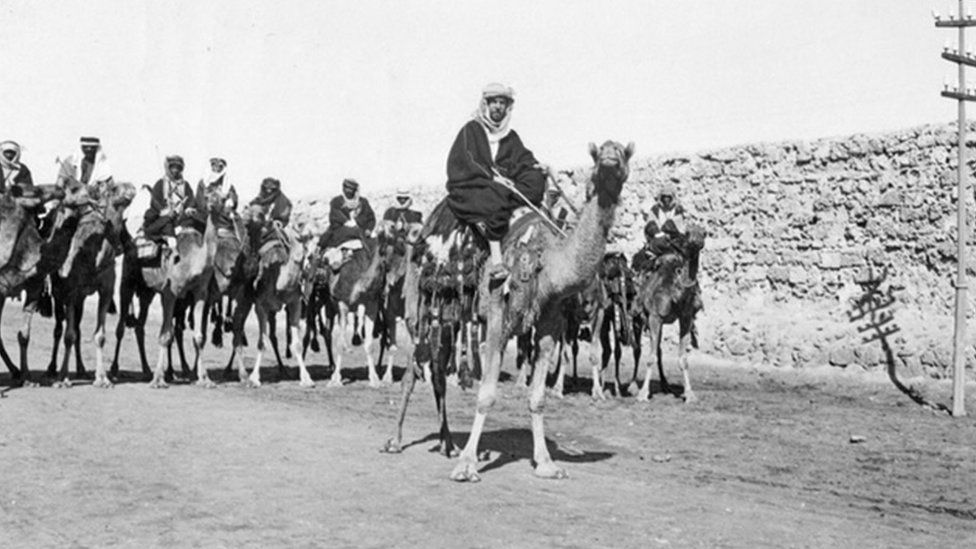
{"x": 575, "y": 261}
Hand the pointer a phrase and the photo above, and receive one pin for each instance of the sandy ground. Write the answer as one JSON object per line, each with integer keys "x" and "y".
{"x": 764, "y": 459}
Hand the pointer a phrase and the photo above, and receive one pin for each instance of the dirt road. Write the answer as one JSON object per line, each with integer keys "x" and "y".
{"x": 765, "y": 459}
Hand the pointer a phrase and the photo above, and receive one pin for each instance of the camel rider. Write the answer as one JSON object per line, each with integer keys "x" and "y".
{"x": 274, "y": 207}
{"x": 351, "y": 218}
{"x": 89, "y": 167}
{"x": 401, "y": 221}
{"x": 13, "y": 173}
{"x": 171, "y": 198}
{"x": 665, "y": 229}
{"x": 216, "y": 178}
{"x": 486, "y": 155}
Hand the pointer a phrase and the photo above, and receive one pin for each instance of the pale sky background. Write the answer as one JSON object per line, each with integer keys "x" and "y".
{"x": 311, "y": 92}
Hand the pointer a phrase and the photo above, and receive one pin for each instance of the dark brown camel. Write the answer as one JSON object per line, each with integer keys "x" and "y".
{"x": 283, "y": 281}
{"x": 30, "y": 259}
{"x": 440, "y": 294}
{"x": 670, "y": 293}
{"x": 90, "y": 268}
{"x": 355, "y": 298}
{"x": 613, "y": 323}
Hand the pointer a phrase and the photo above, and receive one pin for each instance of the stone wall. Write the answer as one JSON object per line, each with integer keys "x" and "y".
{"x": 838, "y": 251}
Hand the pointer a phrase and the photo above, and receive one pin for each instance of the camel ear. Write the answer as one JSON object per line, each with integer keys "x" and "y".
{"x": 593, "y": 151}
{"x": 629, "y": 150}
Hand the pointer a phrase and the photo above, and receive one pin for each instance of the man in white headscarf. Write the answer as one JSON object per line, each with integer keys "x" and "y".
{"x": 216, "y": 178}
{"x": 88, "y": 167}
{"x": 485, "y": 153}
{"x": 13, "y": 173}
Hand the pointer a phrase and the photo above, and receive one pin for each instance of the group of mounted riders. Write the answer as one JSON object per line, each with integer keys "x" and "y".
{"x": 490, "y": 175}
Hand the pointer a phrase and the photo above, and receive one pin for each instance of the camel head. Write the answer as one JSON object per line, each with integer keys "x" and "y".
{"x": 696, "y": 238}
{"x": 610, "y": 170}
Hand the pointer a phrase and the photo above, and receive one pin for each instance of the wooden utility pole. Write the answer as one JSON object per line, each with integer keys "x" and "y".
{"x": 961, "y": 57}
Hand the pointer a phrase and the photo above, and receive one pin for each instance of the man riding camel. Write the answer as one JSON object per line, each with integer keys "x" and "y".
{"x": 13, "y": 173}
{"x": 89, "y": 167}
{"x": 665, "y": 229}
{"x": 400, "y": 220}
{"x": 216, "y": 178}
{"x": 486, "y": 158}
{"x": 351, "y": 218}
{"x": 171, "y": 198}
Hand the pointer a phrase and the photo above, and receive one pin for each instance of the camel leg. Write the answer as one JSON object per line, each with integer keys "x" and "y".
{"x": 79, "y": 364}
{"x": 182, "y": 315}
{"x": 119, "y": 334}
{"x": 368, "y": 325}
{"x": 558, "y": 388}
{"x": 339, "y": 337}
{"x": 394, "y": 445}
{"x": 288, "y": 342}
{"x": 14, "y": 371}
{"x": 684, "y": 345}
{"x": 104, "y": 300}
{"x": 544, "y": 466}
{"x": 523, "y": 358}
{"x": 165, "y": 340}
{"x": 638, "y": 331}
{"x": 467, "y": 467}
{"x": 444, "y": 339}
{"x": 52, "y": 366}
{"x": 619, "y": 319}
{"x": 453, "y": 379}
{"x": 23, "y": 341}
{"x": 70, "y": 340}
{"x": 140, "y": 328}
{"x": 596, "y": 367}
{"x": 654, "y": 337}
{"x": 273, "y": 339}
{"x": 297, "y": 326}
{"x": 254, "y": 380}
{"x": 200, "y": 341}
{"x": 391, "y": 348}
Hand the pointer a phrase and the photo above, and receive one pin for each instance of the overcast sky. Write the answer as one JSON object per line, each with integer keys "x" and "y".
{"x": 311, "y": 92}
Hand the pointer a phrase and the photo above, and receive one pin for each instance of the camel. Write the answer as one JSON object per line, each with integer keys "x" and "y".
{"x": 545, "y": 269}
{"x": 182, "y": 279}
{"x": 90, "y": 268}
{"x": 612, "y": 323}
{"x": 27, "y": 259}
{"x": 667, "y": 294}
{"x": 284, "y": 281}
{"x": 134, "y": 285}
{"x": 356, "y": 290}
{"x": 441, "y": 296}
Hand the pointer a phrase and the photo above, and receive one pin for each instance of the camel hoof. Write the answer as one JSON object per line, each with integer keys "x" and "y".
{"x": 63, "y": 384}
{"x": 253, "y": 383}
{"x": 102, "y": 383}
{"x": 550, "y": 470}
{"x": 690, "y": 398}
{"x": 598, "y": 395}
{"x": 206, "y": 383}
{"x": 307, "y": 384}
{"x": 335, "y": 382}
{"x": 28, "y": 384}
{"x": 391, "y": 447}
{"x": 556, "y": 393}
{"x": 387, "y": 380}
{"x": 466, "y": 471}
{"x": 158, "y": 384}
{"x": 642, "y": 396}
{"x": 375, "y": 384}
